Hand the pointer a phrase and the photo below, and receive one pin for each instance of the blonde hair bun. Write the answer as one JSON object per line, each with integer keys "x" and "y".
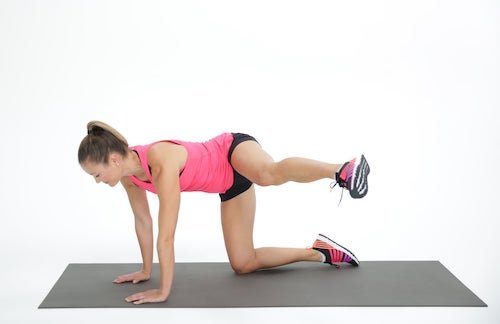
{"x": 92, "y": 125}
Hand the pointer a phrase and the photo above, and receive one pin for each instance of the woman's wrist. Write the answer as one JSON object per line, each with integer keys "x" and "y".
{"x": 146, "y": 270}
{"x": 164, "y": 292}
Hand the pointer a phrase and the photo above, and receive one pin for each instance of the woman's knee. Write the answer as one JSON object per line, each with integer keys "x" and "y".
{"x": 268, "y": 175}
{"x": 244, "y": 265}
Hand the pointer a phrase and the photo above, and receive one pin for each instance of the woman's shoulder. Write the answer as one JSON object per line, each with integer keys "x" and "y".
{"x": 162, "y": 152}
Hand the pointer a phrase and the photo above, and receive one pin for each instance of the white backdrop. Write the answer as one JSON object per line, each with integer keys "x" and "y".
{"x": 414, "y": 85}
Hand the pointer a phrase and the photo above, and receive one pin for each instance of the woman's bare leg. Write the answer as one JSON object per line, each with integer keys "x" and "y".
{"x": 237, "y": 216}
{"x": 250, "y": 160}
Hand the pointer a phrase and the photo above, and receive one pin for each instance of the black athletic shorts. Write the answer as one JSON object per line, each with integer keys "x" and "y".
{"x": 240, "y": 183}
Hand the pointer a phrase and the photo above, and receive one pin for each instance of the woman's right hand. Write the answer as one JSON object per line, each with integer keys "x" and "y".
{"x": 135, "y": 277}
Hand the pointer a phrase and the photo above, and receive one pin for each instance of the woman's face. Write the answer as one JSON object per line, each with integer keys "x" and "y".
{"x": 109, "y": 173}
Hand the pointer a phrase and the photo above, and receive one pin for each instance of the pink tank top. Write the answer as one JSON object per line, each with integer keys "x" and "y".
{"x": 207, "y": 167}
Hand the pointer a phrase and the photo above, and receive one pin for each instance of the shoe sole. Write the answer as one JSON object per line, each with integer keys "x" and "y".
{"x": 339, "y": 247}
{"x": 359, "y": 183}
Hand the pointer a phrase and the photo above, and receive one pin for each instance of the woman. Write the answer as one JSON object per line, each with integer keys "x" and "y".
{"x": 228, "y": 164}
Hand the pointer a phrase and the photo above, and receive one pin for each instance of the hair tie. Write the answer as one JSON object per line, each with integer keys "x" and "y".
{"x": 96, "y": 131}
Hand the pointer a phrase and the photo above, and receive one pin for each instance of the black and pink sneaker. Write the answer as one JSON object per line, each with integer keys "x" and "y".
{"x": 353, "y": 176}
{"x": 334, "y": 253}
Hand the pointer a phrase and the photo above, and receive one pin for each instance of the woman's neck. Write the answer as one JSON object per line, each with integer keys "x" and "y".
{"x": 132, "y": 165}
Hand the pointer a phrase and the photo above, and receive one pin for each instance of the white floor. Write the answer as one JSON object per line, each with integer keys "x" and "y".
{"x": 412, "y": 85}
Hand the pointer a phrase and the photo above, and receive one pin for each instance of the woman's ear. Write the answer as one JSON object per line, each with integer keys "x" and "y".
{"x": 115, "y": 159}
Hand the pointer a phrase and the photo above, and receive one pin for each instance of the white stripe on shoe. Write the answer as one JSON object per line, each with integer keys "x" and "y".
{"x": 361, "y": 172}
{"x": 337, "y": 246}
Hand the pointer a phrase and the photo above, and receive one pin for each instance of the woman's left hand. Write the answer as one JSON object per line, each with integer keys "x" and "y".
{"x": 148, "y": 296}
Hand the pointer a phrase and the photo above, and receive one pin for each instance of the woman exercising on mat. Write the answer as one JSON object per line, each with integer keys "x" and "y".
{"x": 228, "y": 164}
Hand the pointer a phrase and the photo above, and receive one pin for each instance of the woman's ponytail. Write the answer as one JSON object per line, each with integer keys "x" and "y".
{"x": 96, "y": 127}
{"x": 101, "y": 140}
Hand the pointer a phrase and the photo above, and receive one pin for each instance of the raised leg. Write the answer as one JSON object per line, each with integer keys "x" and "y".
{"x": 250, "y": 160}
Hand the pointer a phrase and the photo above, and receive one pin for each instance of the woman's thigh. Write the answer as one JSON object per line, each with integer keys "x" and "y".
{"x": 251, "y": 161}
{"x": 237, "y": 216}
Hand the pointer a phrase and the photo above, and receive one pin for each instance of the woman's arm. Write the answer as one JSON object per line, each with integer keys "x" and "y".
{"x": 169, "y": 195}
{"x": 166, "y": 161}
{"x": 144, "y": 231}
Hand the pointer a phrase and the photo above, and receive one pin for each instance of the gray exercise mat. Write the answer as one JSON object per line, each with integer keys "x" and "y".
{"x": 304, "y": 284}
